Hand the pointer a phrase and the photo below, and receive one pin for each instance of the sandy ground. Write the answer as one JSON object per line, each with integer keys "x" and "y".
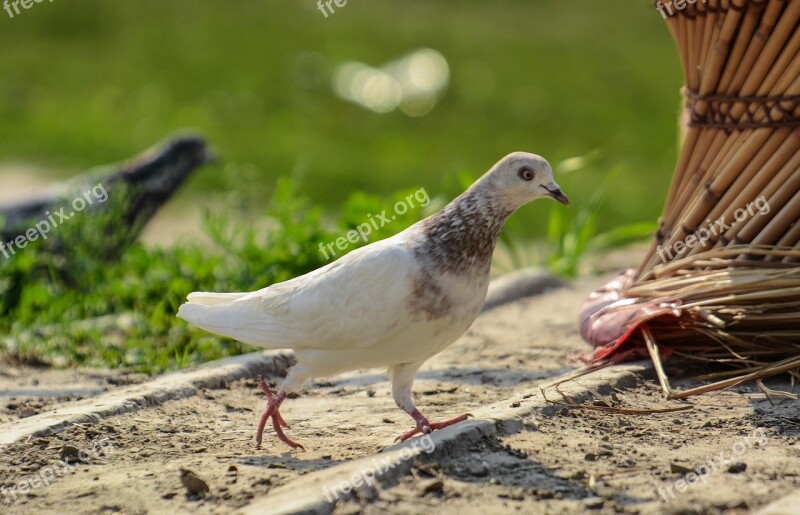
{"x": 563, "y": 461}
{"x": 571, "y": 461}
{"x": 25, "y": 392}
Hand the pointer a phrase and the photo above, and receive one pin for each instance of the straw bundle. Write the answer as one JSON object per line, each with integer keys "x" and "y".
{"x": 721, "y": 282}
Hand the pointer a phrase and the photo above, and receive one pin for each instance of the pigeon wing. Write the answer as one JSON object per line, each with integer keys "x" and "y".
{"x": 356, "y": 301}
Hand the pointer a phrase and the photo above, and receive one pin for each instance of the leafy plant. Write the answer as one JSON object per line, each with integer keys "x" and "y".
{"x": 68, "y": 301}
{"x": 65, "y": 303}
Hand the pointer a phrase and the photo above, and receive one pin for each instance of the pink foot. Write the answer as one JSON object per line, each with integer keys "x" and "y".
{"x": 425, "y": 426}
{"x": 271, "y": 411}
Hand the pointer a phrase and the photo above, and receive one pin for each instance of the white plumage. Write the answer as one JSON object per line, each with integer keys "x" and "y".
{"x": 393, "y": 303}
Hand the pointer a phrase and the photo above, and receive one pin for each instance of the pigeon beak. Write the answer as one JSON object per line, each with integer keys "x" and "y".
{"x": 553, "y": 191}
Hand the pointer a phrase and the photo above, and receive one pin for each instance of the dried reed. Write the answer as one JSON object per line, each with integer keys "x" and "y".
{"x": 721, "y": 282}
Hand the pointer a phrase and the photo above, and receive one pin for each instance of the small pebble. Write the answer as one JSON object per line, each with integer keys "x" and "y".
{"x": 677, "y": 468}
{"x": 27, "y": 412}
{"x": 232, "y": 474}
{"x": 430, "y": 485}
{"x": 478, "y": 469}
{"x": 737, "y": 468}
{"x": 593, "y": 503}
{"x": 193, "y": 484}
{"x": 578, "y": 474}
{"x": 70, "y": 453}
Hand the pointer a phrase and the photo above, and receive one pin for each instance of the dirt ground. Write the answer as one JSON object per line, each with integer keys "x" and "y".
{"x": 26, "y": 391}
{"x": 570, "y": 461}
{"x": 564, "y": 460}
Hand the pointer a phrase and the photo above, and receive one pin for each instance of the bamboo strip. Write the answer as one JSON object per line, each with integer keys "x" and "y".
{"x": 737, "y": 305}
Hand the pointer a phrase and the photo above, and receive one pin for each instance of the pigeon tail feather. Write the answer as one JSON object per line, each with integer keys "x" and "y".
{"x": 212, "y": 299}
{"x": 230, "y": 315}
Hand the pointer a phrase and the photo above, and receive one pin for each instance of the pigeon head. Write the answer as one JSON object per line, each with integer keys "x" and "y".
{"x": 463, "y": 234}
{"x": 521, "y": 177}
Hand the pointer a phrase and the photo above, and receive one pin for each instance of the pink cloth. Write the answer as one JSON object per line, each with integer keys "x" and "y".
{"x": 608, "y": 319}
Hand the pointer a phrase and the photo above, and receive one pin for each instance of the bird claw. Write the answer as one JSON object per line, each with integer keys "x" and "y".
{"x": 426, "y": 427}
{"x": 272, "y": 411}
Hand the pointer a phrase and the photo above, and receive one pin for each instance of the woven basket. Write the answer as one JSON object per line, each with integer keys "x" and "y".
{"x": 721, "y": 282}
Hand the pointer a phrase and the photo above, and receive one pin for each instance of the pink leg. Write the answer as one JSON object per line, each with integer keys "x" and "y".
{"x": 271, "y": 398}
{"x": 273, "y": 405}
{"x": 425, "y": 426}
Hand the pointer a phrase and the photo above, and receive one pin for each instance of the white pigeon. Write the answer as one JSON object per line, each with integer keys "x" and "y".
{"x": 394, "y": 303}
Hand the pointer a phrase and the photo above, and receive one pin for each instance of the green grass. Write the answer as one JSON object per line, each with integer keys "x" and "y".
{"x": 63, "y": 303}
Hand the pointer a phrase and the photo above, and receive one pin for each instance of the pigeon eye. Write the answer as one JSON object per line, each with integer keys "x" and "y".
{"x": 525, "y": 173}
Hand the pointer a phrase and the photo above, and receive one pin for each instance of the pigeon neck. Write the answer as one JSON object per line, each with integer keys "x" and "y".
{"x": 462, "y": 236}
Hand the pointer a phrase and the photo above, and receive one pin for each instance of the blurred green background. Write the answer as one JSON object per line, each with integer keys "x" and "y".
{"x": 318, "y": 122}
{"x": 88, "y": 82}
